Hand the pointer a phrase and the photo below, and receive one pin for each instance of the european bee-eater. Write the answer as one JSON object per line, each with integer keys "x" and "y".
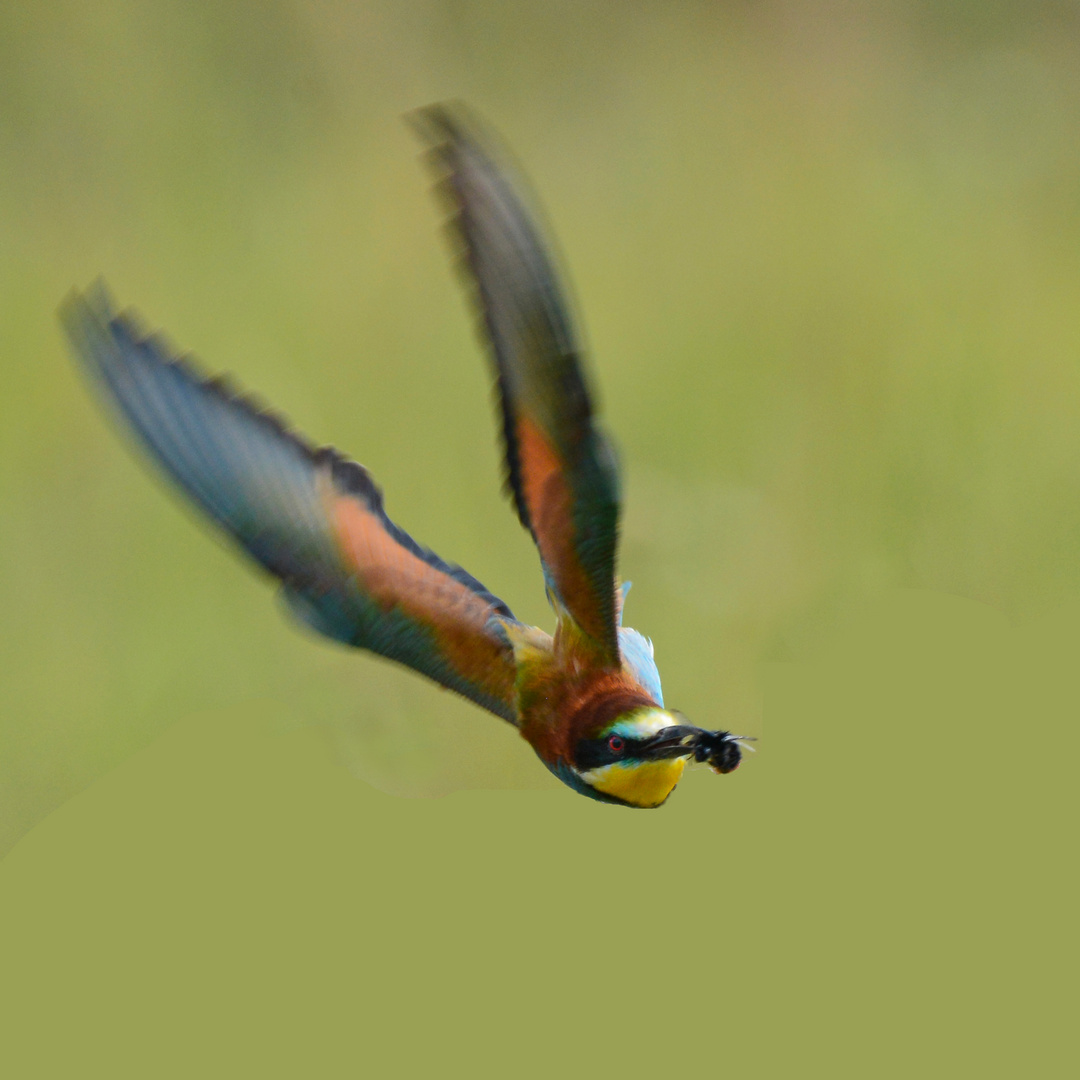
{"x": 587, "y": 700}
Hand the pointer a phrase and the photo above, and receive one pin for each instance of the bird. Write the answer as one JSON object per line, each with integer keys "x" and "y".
{"x": 586, "y": 698}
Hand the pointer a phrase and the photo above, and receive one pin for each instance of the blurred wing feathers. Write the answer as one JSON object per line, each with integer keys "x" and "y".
{"x": 311, "y": 517}
{"x": 561, "y": 469}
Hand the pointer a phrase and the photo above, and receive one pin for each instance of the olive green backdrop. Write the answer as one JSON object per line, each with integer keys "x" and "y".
{"x": 829, "y": 259}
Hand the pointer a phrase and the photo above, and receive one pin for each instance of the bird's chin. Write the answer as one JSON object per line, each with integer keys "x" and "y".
{"x": 637, "y": 783}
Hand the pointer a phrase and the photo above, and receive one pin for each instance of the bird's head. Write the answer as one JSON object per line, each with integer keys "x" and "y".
{"x": 638, "y": 758}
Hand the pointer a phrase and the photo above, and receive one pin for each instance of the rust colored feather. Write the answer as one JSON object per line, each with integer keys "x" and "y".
{"x": 455, "y": 614}
{"x": 582, "y": 710}
{"x": 550, "y": 501}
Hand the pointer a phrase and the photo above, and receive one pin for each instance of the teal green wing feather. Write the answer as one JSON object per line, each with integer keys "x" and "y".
{"x": 312, "y": 518}
{"x": 561, "y": 469}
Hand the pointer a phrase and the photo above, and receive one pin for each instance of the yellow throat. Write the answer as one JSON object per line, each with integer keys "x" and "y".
{"x": 641, "y": 783}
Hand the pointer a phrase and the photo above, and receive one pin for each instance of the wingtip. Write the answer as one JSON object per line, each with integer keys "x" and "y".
{"x": 72, "y": 310}
{"x": 441, "y": 121}
{"x": 83, "y": 326}
{"x": 100, "y": 298}
{"x": 93, "y": 305}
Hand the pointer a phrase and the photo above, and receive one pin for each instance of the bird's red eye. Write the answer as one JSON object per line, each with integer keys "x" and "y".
{"x": 616, "y": 743}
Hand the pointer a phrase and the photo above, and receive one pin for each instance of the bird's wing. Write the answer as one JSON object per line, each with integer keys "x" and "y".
{"x": 561, "y": 469}
{"x": 311, "y": 517}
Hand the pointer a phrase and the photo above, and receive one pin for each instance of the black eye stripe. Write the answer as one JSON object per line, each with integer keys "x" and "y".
{"x": 595, "y": 753}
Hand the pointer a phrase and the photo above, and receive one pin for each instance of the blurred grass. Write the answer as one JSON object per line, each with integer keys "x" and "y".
{"x": 879, "y": 893}
{"x": 828, "y": 259}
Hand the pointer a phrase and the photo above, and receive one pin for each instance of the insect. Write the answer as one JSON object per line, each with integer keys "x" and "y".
{"x": 588, "y": 699}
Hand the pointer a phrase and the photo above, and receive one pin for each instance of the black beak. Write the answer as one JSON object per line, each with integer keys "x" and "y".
{"x": 720, "y": 749}
{"x": 681, "y": 740}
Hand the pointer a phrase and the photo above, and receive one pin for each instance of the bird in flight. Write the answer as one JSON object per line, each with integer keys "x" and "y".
{"x": 588, "y": 699}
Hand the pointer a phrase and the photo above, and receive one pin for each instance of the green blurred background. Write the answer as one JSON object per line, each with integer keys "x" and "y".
{"x": 829, "y": 260}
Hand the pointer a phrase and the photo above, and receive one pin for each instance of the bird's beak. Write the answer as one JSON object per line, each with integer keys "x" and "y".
{"x": 720, "y": 749}
{"x": 680, "y": 740}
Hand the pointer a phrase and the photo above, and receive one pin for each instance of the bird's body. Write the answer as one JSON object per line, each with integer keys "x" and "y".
{"x": 588, "y": 699}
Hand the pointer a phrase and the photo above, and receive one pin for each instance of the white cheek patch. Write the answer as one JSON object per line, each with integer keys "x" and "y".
{"x": 644, "y": 725}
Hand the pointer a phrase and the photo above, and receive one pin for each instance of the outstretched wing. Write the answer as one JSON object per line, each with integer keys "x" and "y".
{"x": 309, "y": 516}
{"x": 561, "y": 469}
